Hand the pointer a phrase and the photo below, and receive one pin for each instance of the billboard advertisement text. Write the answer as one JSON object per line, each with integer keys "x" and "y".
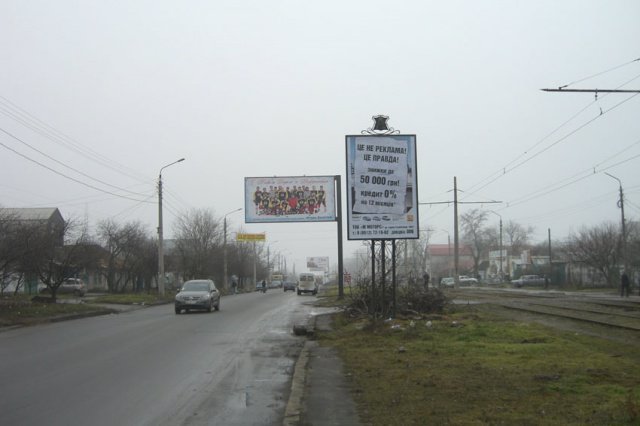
{"x": 382, "y": 201}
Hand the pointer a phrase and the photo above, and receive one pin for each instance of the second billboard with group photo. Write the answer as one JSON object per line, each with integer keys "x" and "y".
{"x": 289, "y": 199}
{"x": 382, "y": 201}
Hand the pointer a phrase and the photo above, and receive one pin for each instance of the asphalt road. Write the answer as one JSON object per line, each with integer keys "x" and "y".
{"x": 152, "y": 367}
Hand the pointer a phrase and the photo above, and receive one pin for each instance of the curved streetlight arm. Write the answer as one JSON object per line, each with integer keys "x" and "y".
{"x": 232, "y": 211}
{"x": 170, "y": 164}
{"x": 610, "y": 175}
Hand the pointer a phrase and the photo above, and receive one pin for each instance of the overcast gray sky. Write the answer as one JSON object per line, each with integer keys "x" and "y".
{"x": 97, "y": 96}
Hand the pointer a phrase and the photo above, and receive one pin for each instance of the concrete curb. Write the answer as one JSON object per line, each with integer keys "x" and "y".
{"x": 293, "y": 411}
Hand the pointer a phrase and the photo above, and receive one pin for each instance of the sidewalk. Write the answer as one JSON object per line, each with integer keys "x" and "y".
{"x": 320, "y": 394}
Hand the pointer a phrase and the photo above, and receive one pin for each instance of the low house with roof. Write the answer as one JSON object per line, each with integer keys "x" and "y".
{"x": 442, "y": 260}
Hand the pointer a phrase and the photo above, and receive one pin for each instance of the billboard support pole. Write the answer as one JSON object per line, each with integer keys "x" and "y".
{"x": 372, "y": 307}
{"x": 393, "y": 277}
{"x": 383, "y": 279}
{"x": 339, "y": 223}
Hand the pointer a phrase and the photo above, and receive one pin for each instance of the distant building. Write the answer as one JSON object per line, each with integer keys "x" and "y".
{"x": 442, "y": 260}
{"x": 48, "y": 217}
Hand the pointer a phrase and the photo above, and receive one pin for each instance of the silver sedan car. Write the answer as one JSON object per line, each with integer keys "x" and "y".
{"x": 197, "y": 295}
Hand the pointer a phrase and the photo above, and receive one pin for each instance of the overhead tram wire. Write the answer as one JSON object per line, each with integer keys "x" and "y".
{"x": 65, "y": 176}
{"x": 30, "y": 121}
{"x": 569, "y": 210}
{"x": 598, "y": 168}
{"x": 503, "y": 171}
{"x": 562, "y": 139}
{"x": 600, "y": 73}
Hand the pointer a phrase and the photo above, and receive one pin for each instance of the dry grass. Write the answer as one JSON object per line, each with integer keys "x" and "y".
{"x": 471, "y": 368}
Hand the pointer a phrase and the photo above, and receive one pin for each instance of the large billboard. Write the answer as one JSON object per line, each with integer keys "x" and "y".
{"x": 382, "y": 187}
{"x": 318, "y": 263}
{"x": 289, "y": 199}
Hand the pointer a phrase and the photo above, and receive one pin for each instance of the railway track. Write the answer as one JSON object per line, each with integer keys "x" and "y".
{"x": 600, "y": 309}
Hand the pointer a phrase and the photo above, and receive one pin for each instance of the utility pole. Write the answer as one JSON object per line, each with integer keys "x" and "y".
{"x": 456, "y": 257}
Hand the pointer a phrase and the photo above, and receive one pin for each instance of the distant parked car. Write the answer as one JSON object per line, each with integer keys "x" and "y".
{"x": 528, "y": 280}
{"x": 465, "y": 280}
{"x": 289, "y": 285}
{"x": 197, "y": 295}
{"x": 73, "y": 286}
{"x": 447, "y": 282}
{"x": 275, "y": 284}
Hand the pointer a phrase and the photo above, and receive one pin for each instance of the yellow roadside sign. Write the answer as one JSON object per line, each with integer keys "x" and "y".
{"x": 251, "y": 237}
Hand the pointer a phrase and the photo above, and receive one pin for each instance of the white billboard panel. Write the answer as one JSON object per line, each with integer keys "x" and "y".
{"x": 289, "y": 199}
{"x": 382, "y": 200}
{"x": 318, "y": 263}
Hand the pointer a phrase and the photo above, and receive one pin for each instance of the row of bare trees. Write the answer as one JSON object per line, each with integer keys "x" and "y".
{"x": 38, "y": 251}
{"x": 125, "y": 254}
{"x": 601, "y": 247}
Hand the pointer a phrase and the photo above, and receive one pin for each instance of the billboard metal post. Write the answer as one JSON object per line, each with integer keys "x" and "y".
{"x": 383, "y": 282}
{"x": 338, "y": 184}
{"x": 393, "y": 277}
{"x": 373, "y": 277}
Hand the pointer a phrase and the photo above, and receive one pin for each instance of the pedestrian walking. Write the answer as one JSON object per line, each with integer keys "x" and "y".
{"x": 624, "y": 285}
{"x": 426, "y": 278}
{"x": 234, "y": 286}
{"x": 546, "y": 282}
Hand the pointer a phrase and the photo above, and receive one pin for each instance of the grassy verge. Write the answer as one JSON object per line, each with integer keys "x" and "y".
{"x": 22, "y": 311}
{"x": 133, "y": 299}
{"x": 473, "y": 368}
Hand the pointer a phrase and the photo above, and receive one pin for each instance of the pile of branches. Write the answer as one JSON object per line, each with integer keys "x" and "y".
{"x": 410, "y": 300}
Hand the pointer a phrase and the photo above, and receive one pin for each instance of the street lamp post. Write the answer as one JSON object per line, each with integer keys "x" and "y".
{"x": 160, "y": 236}
{"x": 224, "y": 250}
{"x": 501, "y": 271}
{"x": 623, "y": 229}
{"x": 448, "y": 252}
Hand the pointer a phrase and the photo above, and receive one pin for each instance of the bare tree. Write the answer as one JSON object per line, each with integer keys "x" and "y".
{"x": 597, "y": 247}
{"x": 10, "y": 249}
{"x": 51, "y": 262}
{"x": 198, "y": 237}
{"x": 474, "y": 234}
{"x": 517, "y": 235}
{"x": 127, "y": 248}
{"x": 633, "y": 244}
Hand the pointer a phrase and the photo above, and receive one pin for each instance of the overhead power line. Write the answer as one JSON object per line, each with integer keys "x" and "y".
{"x": 68, "y": 166}
{"x": 65, "y": 176}
{"x": 32, "y": 122}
